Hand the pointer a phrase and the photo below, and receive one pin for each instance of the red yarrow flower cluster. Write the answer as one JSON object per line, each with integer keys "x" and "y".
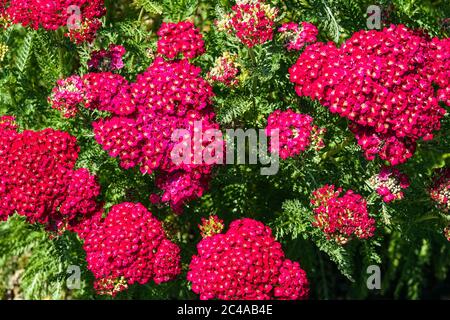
{"x": 102, "y": 91}
{"x": 86, "y": 31}
{"x": 68, "y": 95}
{"x": 384, "y": 83}
{"x": 298, "y": 36}
{"x": 293, "y": 131}
{"x": 245, "y": 263}
{"x": 389, "y": 184}
{"x": 53, "y": 14}
{"x": 341, "y": 217}
{"x": 170, "y": 97}
{"x": 180, "y": 38}
{"x": 252, "y": 21}
{"x": 225, "y": 70}
{"x": 107, "y": 60}
{"x": 38, "y": 179}
{"x": 440, "y": 191}
{"x": 129, "y": 246}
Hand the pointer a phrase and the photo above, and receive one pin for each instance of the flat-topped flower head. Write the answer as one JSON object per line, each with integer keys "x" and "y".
{"x": 389, "y": 184}
{"x": 297, "y": 36}
{"x": 38, "y": 179}
{"x": 388, "y": 84}
{"x": 129, "y": 246}
{"x": 440, "y": 190}
{"x": 251, "y": 21}
{"x": 181, "y": 38}
{"x": 245, "y": 263}
{"x": 81, "y": 17}
{"x": 225, "y": 70}
{"x": 341, "y": 217}
{"x": 107, "y": 60}
{"x": 294, "y": 132}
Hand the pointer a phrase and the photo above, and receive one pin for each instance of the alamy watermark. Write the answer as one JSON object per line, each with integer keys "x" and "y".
{"x": 374, "y": 279}
{"x": 237, "y": 147}
{"x": 74, "y": 277}
{"x": 74, "y": 20}
{"x": 374, "y": 17}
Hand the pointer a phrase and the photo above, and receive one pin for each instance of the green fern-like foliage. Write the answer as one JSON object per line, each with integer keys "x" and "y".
{"x": 40, "y": 264}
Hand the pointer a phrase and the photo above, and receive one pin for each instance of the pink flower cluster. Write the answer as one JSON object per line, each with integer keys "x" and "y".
{"x": 86, "y": 32}
{"x": 245, "y": 263}
{"x": 102, "y": 91}
{"x": 107, "y": 60}
{"x": 252, "y": 21}
{"x": 440, "y": 191}
{"x": 180, "y": 38}
{"x": 384, "y": 83}
{"x": 53, "y": 14}
{"x": 341, "y": 217}
{"x": 145, "y": 115}
{"x": 68, "y": 95}
{"x": 225, "y": 70}
{"x": 129, "y": 246}
{"x": 294, "y": 131}
{"x": 297, "y": 36}
{"x": 171, "y": 96}
{"x": 389, "y": 184}
{"x": 38, "y": 179}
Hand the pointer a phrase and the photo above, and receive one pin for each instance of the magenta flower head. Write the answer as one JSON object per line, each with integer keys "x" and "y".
{"x": 389, "y": 184}
{"x": 341, "y": 217}
{"x": 107, "y": 60}
{"x": 387, "y": 83}
{"x": 245, "y": 263}
{"x": 38, "y": 179}
{"x": 181, "y": 38}
{"x": 251, "y": 21}
{"x": 129, "y": 246}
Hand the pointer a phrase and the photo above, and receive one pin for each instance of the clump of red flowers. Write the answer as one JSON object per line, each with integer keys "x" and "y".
{"x": 245, "y": 263}
{"x": 293, "y": 130}
{"x": 145, "y": 122}
{"x": 225, "y": 70}
{"x": 297, "y": 36}
{"x": 129, "y": 246}
{"x": 169, "y": 97}
{"x": 68, "y": 94}
{"x": 252, "y": 21}
{"x": 440, "y": 191}
{"x": 384, "y": 82}
{"x": 341, "y": 217}
{"x": 80, "y": 16}
{"x": 107, "y": 60}
{"x": 102, "y": 91}
{"x": 180, "y": 38}
{"x": 38, "y": 179}
{"x": 389, "y": 184}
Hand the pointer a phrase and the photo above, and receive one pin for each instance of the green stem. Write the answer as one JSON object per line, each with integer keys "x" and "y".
{"x": 12, "y": 94}
{"x": 337, "y": 149}
{"x": 141, "y": 15}
{"x": 59, "y": 37}
{"x": 426, "y": 218}
{"x": 324, "y": 280}
{"x": 252, "y": 56}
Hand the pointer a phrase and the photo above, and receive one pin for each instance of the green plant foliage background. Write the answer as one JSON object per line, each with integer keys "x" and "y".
{"x": 409, "y": 246}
